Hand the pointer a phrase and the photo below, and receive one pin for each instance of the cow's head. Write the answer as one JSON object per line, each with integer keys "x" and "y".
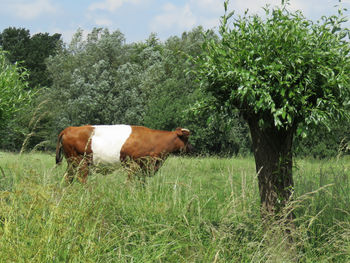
{"x": 183, "y": 135}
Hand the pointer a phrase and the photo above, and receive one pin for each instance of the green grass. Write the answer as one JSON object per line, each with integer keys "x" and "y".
{"x": 193, "y": 210}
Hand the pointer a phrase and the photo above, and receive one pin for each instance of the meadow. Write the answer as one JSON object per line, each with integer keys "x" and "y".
{"x": 193, "y": 210}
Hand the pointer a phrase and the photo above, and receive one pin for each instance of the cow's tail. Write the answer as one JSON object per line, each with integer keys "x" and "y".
{"x": 59, "y": 155}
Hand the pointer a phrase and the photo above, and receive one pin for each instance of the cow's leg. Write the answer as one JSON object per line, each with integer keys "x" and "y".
{"x": 157, "y": 164}
{"x": 83, "y": 170}
{"x": 71, "y": 170}
{"x": 150, "y": 165}
{"x": 130, "y": 166}
{"x": 130, "y": 176}
{"x": 133, "y": 169}
{"x": 142, "y": 167}
{"x": 72, "y": 163}
{"x": 77, "y": 165}
{"x": 147, "y": 167}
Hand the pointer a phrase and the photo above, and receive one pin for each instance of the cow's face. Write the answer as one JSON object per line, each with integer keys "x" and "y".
{"x": 183, "y": 144}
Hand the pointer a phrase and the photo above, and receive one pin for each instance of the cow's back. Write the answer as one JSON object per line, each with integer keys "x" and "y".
{"x": 76, "y": 140}
{"x": 147, "y": 142}
{"x": 107, "y": 141}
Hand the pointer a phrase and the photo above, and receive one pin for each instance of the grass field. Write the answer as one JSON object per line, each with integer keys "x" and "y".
{"x": 193, "y": 210}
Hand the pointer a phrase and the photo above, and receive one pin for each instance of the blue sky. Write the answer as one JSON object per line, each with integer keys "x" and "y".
{"x": 137, "y": 19}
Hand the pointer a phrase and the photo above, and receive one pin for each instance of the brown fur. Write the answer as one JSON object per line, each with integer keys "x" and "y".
{"x": 76, "y": 145}
{"x": 142, "y": 143}
{"x": 147, "y": 142}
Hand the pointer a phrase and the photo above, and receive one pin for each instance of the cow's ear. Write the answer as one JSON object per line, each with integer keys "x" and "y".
{"x": 182, "y": 133}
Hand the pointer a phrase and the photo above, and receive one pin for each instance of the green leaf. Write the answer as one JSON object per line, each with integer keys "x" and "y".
{"x": 284, "y": 114}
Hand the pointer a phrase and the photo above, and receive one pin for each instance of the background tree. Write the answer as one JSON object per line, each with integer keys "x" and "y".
{"x": 31, "y": 52}
{"x": 103, "y": 80}
{"x": 14, "y": 94}
{"x": 41, "y": 46}
{"x": 324, "y": 142}
{"x": 174, "y": 94}
{"x": 282, "y": 72}
{"x": 15, "y": 41}
{"x": 96, "y": 81}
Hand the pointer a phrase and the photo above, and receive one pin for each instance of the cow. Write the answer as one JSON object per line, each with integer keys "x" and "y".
{"x": 110, "y": 144}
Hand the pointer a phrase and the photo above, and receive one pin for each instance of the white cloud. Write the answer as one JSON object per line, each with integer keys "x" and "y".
{"x": 208, "y": 6}
{"x": 172, "y": 17}
{"x": 176, "y": 18}
{"x": 209, "y": 23}
{"x": 66, "y": 33}
{"x": 309, "y": 7}
{"x": 110, "y": 5}
{"x": 32, "y": 10}
{"x": 103, "y": 22}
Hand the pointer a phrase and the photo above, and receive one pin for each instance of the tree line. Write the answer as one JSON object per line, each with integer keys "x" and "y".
{"x": 101, "y": 79}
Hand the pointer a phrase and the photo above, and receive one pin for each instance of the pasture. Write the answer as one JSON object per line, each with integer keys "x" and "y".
{"x": 193, "y": 210}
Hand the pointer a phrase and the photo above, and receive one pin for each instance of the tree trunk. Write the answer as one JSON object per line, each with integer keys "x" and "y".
{"x": 273, "y": 159}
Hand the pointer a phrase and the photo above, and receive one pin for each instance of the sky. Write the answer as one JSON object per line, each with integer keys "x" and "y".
{"x": 137, "y": 19}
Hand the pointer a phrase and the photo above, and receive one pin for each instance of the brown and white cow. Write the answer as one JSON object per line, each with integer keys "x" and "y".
{"x": 110, "y": 144}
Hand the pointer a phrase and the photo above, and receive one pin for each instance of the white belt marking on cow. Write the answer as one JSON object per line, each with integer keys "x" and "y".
{"x": 107, "y": 141}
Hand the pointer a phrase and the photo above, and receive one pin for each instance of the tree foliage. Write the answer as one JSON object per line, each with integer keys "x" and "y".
{"x": 175, "y": 94}
{"x": 31, "y": 52}
{"x": 14, "y": 94}
{"x": 284, "y": 69}
{"x": 282, "y": 72}
{"x": 85, "y": 79}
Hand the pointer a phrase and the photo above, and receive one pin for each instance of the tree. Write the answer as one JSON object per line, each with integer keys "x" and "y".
{"x": 15, "y": 41}
{"x": 173, "y": 94}
{"x": 171, "y": 88}
{"x": 324, "y": 142}
{"x": 13, "y": 92}
{"x": 41, "y": 46}
{"x": 282, "y": 72}
{"x": 96, "y": 82}
{"x": 31, "y": 52}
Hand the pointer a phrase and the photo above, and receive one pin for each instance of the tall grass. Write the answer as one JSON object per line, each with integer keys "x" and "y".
{"x": 193, "y": 210}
